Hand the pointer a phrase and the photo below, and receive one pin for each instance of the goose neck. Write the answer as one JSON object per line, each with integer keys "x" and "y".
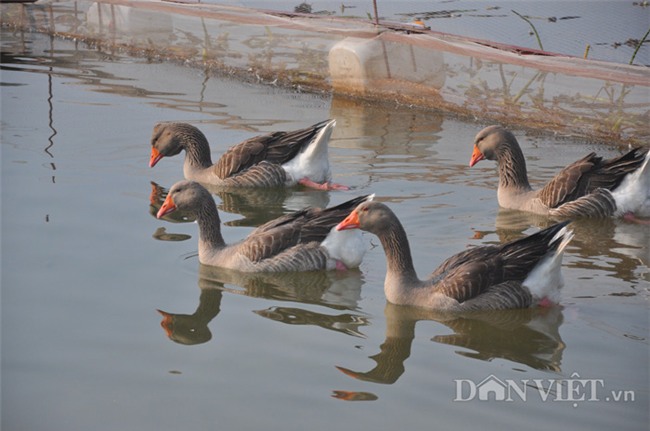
{"x": 197, "y": 151}
{"x": 399, "y": 261}
{"x": 207, "y": 217}
{"x": 512, "y": 168}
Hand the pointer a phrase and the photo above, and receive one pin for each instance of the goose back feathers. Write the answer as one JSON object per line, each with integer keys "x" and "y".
{"x": 300, "y": 241}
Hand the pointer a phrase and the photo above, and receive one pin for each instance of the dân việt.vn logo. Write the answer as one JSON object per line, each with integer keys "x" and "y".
{"x": 573, "y": 390}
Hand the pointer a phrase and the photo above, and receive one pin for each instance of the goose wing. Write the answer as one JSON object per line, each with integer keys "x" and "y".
{"x": 299, "y": 227}
{"x": 589, "y": 174}
{"x": 474, "y": 272}
{"x": 570, "y": 183}
{"x": 600, "y": 203}
{"x": 276, "y": 148}
{"x": 469, "y": 278}
{"x": 273, "y": 237}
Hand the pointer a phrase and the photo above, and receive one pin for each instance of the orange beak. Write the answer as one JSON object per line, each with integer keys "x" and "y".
{"x": 167, "y": 323}
{"x": 350, "y": 222}
{"x": 155, "y": 157}
{"x": 477, "y": 156}
{"x": 349, "y": 372}
{"x": 167, "y": 207}
{"x": 155, "y": 193}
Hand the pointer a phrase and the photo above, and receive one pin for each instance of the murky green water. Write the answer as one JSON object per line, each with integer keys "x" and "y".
{"x": 85, "y": 267}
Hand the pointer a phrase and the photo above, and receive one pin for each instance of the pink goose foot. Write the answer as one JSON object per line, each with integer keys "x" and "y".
{"x": 630, "y": 217}
{"x": 335, "y": 186}
{"x": 545, "y": 303}
{"x": 340, "y": 266}
{"x": 324, "y": 186}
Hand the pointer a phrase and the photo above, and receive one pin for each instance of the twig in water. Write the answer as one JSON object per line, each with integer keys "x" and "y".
{"x": 374, "y": 5}
{"x": 639, "y": 46}
{"x": 531, "y": 24}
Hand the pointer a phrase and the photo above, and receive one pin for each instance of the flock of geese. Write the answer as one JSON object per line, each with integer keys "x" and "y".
{"x": 518, "y": 274}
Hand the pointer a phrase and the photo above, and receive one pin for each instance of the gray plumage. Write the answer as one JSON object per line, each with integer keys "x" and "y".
{"x": 485, "y": 277}
{"x": 292, "y": 242}
{"x": 582, "y": 189}
{"x": 255, "y": 162}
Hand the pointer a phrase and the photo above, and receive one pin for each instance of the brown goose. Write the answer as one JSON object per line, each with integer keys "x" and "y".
{"x": 304, "y": 240}
{"x": 517, "y": 274}
{"x": 274, "y": 160}
{"x": 589, "y": 187}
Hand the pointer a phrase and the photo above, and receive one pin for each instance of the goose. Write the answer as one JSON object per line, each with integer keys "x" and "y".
{"x": 278, "y": 159}
{"x": 589, "y": 187}
{"x": 518, "y": 274}
{"x": 303, "y": 240}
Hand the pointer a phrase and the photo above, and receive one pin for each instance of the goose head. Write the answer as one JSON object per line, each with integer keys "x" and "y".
{"x": 489, "y": 143}
{"x": 370, "y": 216}
{"x": 169, "y": 139}
{"x": 185, "y": 195}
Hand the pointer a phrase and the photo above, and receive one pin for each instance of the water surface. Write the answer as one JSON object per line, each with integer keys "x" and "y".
{"x": 86, "y": 267}
{"x": 602, "y": 29}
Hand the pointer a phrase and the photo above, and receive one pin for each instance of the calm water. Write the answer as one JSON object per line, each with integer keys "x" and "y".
{"x": 611, "y": 28}
{"x": 85, "y": 267}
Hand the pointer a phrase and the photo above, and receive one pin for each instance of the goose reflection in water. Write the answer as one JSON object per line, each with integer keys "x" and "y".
{"x": 256, "y": 206}
{"x": 346, "y": 323}
{"x": 191, "y": 329}
{"x": 334, "y": 290}
{"x": 339, "y": 290}
{"x": 620, "y": 246}
{"x": 524, "y": 336}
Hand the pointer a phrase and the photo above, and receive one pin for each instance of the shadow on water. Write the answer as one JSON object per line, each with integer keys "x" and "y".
{"x": 530, "y": 337}
{"x": 333, "y": 290}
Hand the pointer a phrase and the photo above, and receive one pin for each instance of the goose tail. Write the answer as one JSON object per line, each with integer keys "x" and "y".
{"x": 633, "y": 194}
{"x": 545, "y": 281}
{"x": 313, "y": 159}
